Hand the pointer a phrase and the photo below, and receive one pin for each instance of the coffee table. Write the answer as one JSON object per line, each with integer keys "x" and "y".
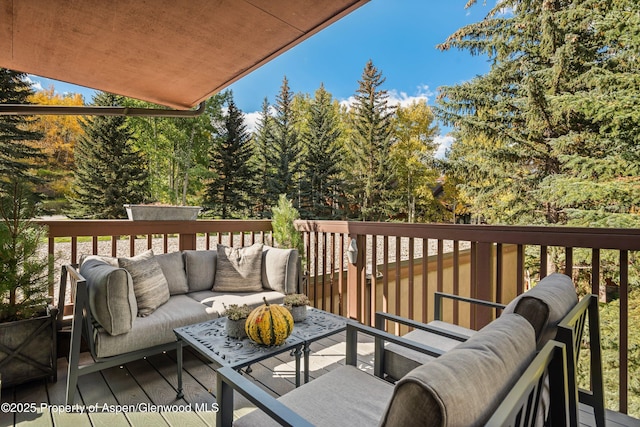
{"x": 210, "y": 340}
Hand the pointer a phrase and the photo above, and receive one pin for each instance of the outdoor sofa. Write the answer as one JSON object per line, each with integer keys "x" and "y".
{"x": 127, "y": 308}
{"x": 508, "y": 373}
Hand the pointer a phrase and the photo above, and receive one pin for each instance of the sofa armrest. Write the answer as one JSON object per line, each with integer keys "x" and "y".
{"x": 228, "y": 380}
{"x": 380, "y": 337}
{"x": 438, "y": 296}
{"x": 382, "y": 317}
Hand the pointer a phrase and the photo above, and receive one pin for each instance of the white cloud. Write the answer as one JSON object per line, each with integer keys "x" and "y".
{"x": 251, "y": 120}
{"x": 35, "y": 85}
{"x": 444, "y": 143}
{"x": 402, "y": 99}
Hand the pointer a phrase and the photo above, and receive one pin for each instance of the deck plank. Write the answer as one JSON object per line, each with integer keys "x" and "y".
{"x": 33, "y": 392}
{"x": 57, "y": 393}
{"x": 154, "y": 380}
{"x": 130, "y": 395}
{"x": 93, "y": 390}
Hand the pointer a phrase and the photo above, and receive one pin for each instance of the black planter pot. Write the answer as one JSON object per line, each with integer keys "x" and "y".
{"x": 28, "y": 349}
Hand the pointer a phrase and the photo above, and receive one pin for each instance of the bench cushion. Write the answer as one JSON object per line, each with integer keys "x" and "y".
{"x": 111, "y": 297}
{"x": 239, "y": 269}
{"x": 464, "y": 386}
{"x": 172, "y": 265}
{"x": 149, "y": 284}
{"x": 399, "y": 360}
{"x": 545, "y": 305}
{"x": 345, "y": 396}
{"x": 216, "y": 301}
{"x": 153, "y": 330}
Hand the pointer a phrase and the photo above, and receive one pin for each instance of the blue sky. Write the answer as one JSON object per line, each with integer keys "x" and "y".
{"x": 399, "y": 36}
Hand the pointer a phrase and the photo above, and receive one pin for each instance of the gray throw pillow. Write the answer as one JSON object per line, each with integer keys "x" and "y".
{"x": 239, "y": 269}
{"x": 149, "y": 284}
{"x": 280, "y": 269}
{"x": 172, "y": 265}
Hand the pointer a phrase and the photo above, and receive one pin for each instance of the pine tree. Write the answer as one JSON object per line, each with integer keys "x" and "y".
{"x": 549, "y": 134}
{"x": 322, "y": 174}
{"x": 284, "y": 153}
{"x": 371, "y": 171}
{"x": 227, "y": 193}
{"x": 260, "y": 141}
{"x": 17, "y": 156}
{"x": 109, "y": 171}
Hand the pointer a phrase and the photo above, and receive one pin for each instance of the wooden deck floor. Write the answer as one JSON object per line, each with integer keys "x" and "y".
{"x": 143, "y": 389}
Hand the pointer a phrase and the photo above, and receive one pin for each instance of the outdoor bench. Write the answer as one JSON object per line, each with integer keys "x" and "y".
{"x": 127, "y": 308}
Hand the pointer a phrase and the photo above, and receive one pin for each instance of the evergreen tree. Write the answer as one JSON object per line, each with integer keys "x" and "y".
{"x": 322, "y": 174}
{"x": 227, "y": 193}
{"x": 550, "y": 133}
{"x": 109, "y": 171}
{"x": 284, "y": 151}
{"x": 371, "y": 173}
{"x": 260, "y": 141}
{"x": 17, "y": 155}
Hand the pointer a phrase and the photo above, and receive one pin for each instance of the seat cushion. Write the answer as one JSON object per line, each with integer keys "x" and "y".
{"x": 464, "y": 386}
{"x": 155, "y": 329}
{"x": 172, "y": 265}
{"x": 280, "y": 269}
{"x": 216, "y": 301}
{"x": 239, "y": 269}
{"x": 149, "y": 284}
{"x": 111, "y": 297}
{"x": 200, "y": 267}
{"x": 399, "y": 360}
{"x": 345, "y": 396}
{"x": 545, "y": 305}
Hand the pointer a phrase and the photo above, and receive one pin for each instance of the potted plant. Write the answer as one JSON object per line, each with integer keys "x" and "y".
{"x": 27, "y": 323}
{"x": 236, "y": 318}
{"x": 297, "y": 305}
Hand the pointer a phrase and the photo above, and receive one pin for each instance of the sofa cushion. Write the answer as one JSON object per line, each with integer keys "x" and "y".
{"x": 399, "y": 360}
{"x": 149, "y": 284}
{"x": 216, "y": 301}
{"x": 464, "y": 386}
{"x": 239, "y": 269}
{"x": 113, "y": 261}
{"x": 111, "y": 297}
{"x": 346, "y": 396}
{"x": 280, "y": 269}
{"x": 545, "y": 305}
{"x": 172, "y": 265}
{"x": 154, "y": 330}
{"x": 200, "y": 267}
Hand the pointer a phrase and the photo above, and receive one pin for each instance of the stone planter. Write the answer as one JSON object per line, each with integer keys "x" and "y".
{"x": 235, "y": 328}
{"x": 162, "y": 213}
{"x": 28, "y": 349}
{"x": 298, "y": 312}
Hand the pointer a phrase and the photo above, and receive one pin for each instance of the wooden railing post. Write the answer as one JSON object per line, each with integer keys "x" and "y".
{"x": 354, "y": 274}
{"x": 187, "y": 241}
{"x": 484, "y": 283}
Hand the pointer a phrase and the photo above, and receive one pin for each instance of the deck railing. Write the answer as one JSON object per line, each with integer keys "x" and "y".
{"x": 410, "y": 262}
{"x": 401, "y": 271}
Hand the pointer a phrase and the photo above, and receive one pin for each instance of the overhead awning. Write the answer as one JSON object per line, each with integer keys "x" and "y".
{"x": 170, "y": 52}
